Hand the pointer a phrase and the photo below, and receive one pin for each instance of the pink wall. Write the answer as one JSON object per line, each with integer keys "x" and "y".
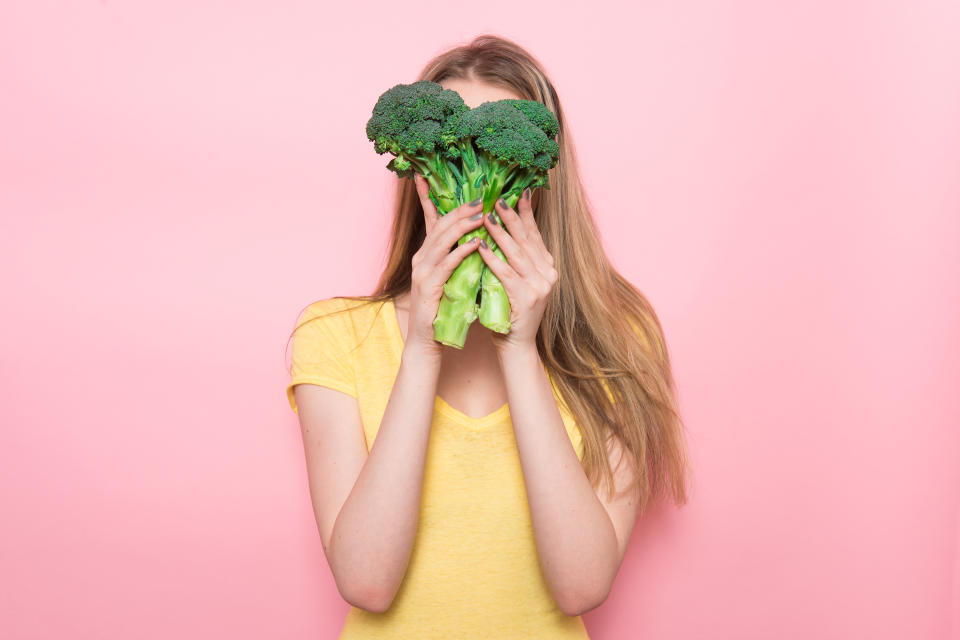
{"x": 178, "y": 179}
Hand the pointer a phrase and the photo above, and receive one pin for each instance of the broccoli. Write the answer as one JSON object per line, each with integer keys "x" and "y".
{"x": 504, "y": 147}
{"x": 407, "y": 122}
{"x": 495, "y": 150}
{"x": 535, "y": 175}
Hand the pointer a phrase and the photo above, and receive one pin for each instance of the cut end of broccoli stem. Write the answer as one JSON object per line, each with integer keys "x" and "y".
{"x": 499, "y": 327}
{"x": 451, "y": 328}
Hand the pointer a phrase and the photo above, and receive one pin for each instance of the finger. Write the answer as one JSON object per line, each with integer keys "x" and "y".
{"x": 505, "y": 272}
{"x": 516, "y": 254}
{"x": 430, "y": 213}
{"x": 516, "y": 284}
{"x": 438, "y": 245}
{"x": 463, "y": 211}
{"x": 525, "y": 211}
{"x": 511, "y": 221}
{"x": 441, "y": 273}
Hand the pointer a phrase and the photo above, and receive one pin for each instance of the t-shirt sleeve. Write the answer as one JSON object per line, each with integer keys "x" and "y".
{"x": 322, "y": 349}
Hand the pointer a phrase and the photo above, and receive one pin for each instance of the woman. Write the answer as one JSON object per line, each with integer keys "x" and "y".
{"x": 489, "y": 491}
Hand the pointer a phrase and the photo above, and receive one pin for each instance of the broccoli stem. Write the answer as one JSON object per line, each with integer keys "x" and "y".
{"x": 494, "y": 310}
{"x": 458, "y": 306}
{"x": 441, "y": 179}
{"x": 480, "y": 176}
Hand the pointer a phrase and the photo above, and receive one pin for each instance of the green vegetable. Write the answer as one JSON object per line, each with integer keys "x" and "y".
{"x": 508, "y": 146}
{"x": 407, "y": 122}
{"x": 496, "y": 150}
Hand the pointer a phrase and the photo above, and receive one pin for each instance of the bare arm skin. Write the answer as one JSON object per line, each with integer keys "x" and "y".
{"x": 581, "y": 538}
{"x": 358, "y": 497}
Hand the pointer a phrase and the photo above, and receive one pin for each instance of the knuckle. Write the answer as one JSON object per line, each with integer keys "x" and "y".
{"x": 450, "y": 260}
{"x": 459, "y": 211}
{"x": 455, "y": 255}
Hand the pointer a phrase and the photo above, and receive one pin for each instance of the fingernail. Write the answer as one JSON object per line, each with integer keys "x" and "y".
{"x": 476, "y": 202}
{"x": 483, "y": 243}
{"x": 492, "y": 219}
{"x": 477, "y": 215}
{"x": 502, "y": 203}
{"x": 526, "y": 193}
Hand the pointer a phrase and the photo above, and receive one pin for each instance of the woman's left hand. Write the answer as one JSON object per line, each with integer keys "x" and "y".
{"x": 528, "y": 276}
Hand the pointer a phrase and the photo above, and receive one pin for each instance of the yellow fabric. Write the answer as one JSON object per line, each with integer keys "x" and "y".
{"x": 474, "y": 570}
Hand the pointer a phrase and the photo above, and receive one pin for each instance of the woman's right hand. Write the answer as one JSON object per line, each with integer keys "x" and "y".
{"x": 433, "y": 263}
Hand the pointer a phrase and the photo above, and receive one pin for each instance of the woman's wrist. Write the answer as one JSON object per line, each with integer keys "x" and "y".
{"x": 421, "y": 358}
{"x": 519, "y": 354}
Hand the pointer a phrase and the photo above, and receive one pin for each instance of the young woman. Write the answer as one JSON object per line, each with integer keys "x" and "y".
{"x": 488, "y": 492}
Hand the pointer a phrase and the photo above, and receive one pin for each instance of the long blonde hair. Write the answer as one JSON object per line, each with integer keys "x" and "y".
{"x": 599, "y": 339}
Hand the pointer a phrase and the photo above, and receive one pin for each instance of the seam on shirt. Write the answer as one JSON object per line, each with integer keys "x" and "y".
{"x": 332, "y": 383}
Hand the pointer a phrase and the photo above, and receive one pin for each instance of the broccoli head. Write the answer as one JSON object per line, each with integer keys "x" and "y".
{"x": 503, "y": 148}
{"x": 407, "y": 122}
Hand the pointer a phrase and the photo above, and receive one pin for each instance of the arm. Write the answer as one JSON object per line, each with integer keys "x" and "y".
{"x": 357, "y": 496}
{"x": 581, "y": 539}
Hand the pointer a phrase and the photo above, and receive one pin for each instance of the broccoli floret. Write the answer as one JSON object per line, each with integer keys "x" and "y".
{"x": 499, "y": 145}
{"x": 538, "y": 114}
{"x": 407, "y": 122}
{"x": 535, "y": 175}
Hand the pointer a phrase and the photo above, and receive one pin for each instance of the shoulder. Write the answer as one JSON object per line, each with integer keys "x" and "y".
{"x": 335, "y": 306}
{"x": 345, "y": 315}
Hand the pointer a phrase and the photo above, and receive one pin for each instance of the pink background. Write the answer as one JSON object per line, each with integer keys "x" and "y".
{"x": 178, "y": 179}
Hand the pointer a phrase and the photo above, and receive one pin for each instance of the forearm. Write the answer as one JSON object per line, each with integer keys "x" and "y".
{"x": 576, "y": 541}
{"x": 374, "y": 532}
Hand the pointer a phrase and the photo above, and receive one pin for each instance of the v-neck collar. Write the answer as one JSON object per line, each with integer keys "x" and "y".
{"x": 439, "y": 403}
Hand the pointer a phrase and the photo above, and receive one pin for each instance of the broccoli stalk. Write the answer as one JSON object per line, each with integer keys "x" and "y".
{"x": 504, "y": 147}
{"x": 494, "y": 303}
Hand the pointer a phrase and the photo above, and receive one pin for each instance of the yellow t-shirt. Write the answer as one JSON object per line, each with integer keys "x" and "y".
{"x": 474, "y": 570}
